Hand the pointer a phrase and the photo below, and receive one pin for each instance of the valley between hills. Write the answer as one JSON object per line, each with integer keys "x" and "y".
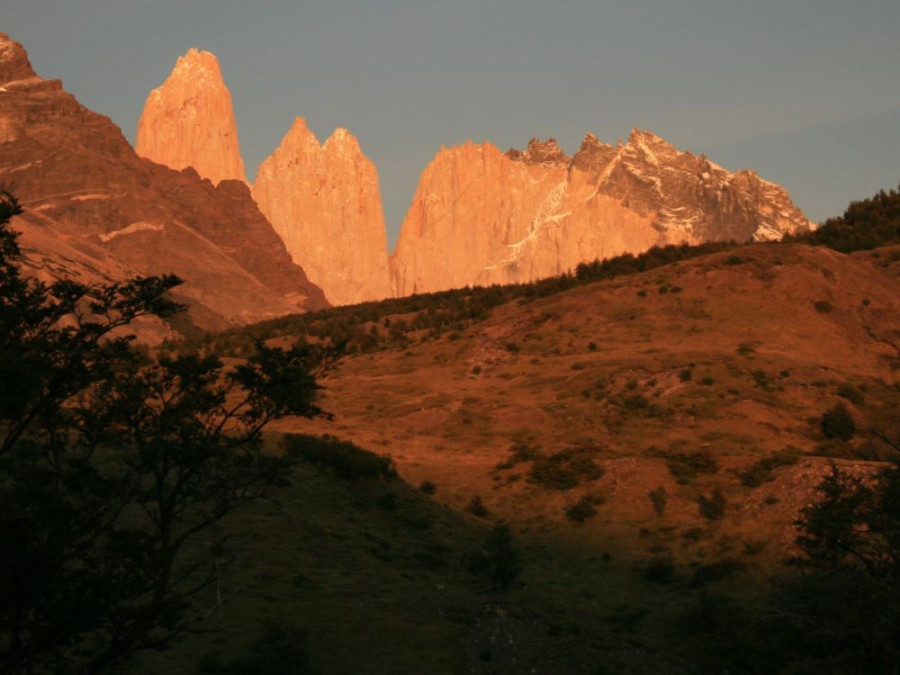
{"x": 598, "y": 460}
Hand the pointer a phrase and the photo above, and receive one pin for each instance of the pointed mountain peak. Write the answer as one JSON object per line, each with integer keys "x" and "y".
{"x": 194, "y": 57}
{"x": 200, "y": 66}
{"x": 341, "y": 138}
{"x": 14, "y": 63}
{"x": 300, "y": 134}
{"x": 591, "y": 144}
{"x": 189, "y": 121}
{"x": 642, "y": 136}
{"x": 592, "y": 154}
{"x": 540, "y": 152}
{"x": 649, "y": 147}
{"x": 325, "y": 203}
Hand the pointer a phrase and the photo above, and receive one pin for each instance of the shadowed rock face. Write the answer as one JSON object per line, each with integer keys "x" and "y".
{"x": 482, "y": 217}
{"x": 325, "y": 203}
{"x": 188, "y": 121}
{"x": 96, "y": 211}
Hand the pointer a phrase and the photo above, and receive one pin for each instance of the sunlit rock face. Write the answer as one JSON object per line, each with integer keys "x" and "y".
{"x": 188, "y": 121}
{"x": 481, "y": 217}
{"x": 96, "y": 212}
{"x": 324, "y": 201}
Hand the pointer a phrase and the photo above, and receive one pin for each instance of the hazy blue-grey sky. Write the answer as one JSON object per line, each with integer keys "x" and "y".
{"x": 807, "y": 92}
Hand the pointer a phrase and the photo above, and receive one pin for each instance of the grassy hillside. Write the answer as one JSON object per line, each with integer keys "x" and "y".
{"x": 649, "y": 438}
{"x": 381, "y": 578}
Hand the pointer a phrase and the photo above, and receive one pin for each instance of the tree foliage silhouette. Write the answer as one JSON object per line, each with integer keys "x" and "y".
{"x": 866, "y": 224}
{"x": 114, "y": 469}
{"x": 844, "y": 609}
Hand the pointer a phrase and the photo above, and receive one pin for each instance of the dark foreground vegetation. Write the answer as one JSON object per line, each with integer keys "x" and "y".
{"x": 120, "y": 475}
{"x": 866, "y": 224}
{"x": 115, "y": 469}
{"x": 838, "y": 611}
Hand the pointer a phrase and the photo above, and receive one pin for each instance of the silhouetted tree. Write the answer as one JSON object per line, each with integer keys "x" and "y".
{"x": 866, "y": 224}
{"x": 843, "y": 610}
{"x": 114, "y": 469}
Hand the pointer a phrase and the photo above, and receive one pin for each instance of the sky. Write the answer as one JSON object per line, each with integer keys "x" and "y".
{"x": 805, "y": 92}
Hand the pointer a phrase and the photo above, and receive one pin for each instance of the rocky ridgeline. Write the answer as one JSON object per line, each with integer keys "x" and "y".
{"x": 479, "y": 216}
{"x": 96, "y": 211}
{"x": 483, "y": 217}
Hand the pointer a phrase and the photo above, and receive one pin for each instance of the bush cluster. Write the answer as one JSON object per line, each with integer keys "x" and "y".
{"x": 584, "y": 508}
{"x": 837, "y": 422}
{"x": 685, "y": 466}
{"x": 761, "y": 472}
{"x": 712, "y": 507}
{"x": 565, "y": 469}
{"x": 346, "y": 460}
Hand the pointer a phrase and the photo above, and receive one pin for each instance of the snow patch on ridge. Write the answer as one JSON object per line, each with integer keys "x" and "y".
{"x": 91, "y": 196}
{"x": 131, "y": 229}
{"x": 548, "y": 212}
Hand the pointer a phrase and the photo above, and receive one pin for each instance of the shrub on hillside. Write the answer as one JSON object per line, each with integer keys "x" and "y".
{"x": 761, "y": 472}
{"x": 346, "y": 460}
{"x": 659, "y": 498}
{"x": 519, "y": 452}
{"x": 684, "y": 466}
{"x": 837, "y": 422}
{"x": 565, "y": 470}
{"x": 851, "y": 393}
{"x": 635, "y": 402}
{"x": 477, "y": 508}
{"x": 584, "y": 508}
{"x": 712, "y": 507}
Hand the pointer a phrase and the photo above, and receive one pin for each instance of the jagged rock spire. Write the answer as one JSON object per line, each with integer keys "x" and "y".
{"x": 324, "y": 201}
{"x": 189, "y": 121}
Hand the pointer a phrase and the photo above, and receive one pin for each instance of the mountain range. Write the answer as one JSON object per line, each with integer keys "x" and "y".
{"x": 310, "y": 229}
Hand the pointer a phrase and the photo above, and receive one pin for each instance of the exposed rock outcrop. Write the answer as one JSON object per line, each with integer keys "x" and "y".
{"x": 97, "y": 212}
{"x": 480, "y": 216}
{"x": 325, "y": 203}
{"x": 188, "y": 121}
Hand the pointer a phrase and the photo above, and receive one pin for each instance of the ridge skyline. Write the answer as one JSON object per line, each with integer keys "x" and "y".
{"x": 197, "y": 77}
{"x": 501, "y": 218}
{"x": 479, "y": 216}
{"x": 797, "y": 94}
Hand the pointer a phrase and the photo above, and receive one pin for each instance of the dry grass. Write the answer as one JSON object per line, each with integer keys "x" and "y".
{"x": 763, "y": 364}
